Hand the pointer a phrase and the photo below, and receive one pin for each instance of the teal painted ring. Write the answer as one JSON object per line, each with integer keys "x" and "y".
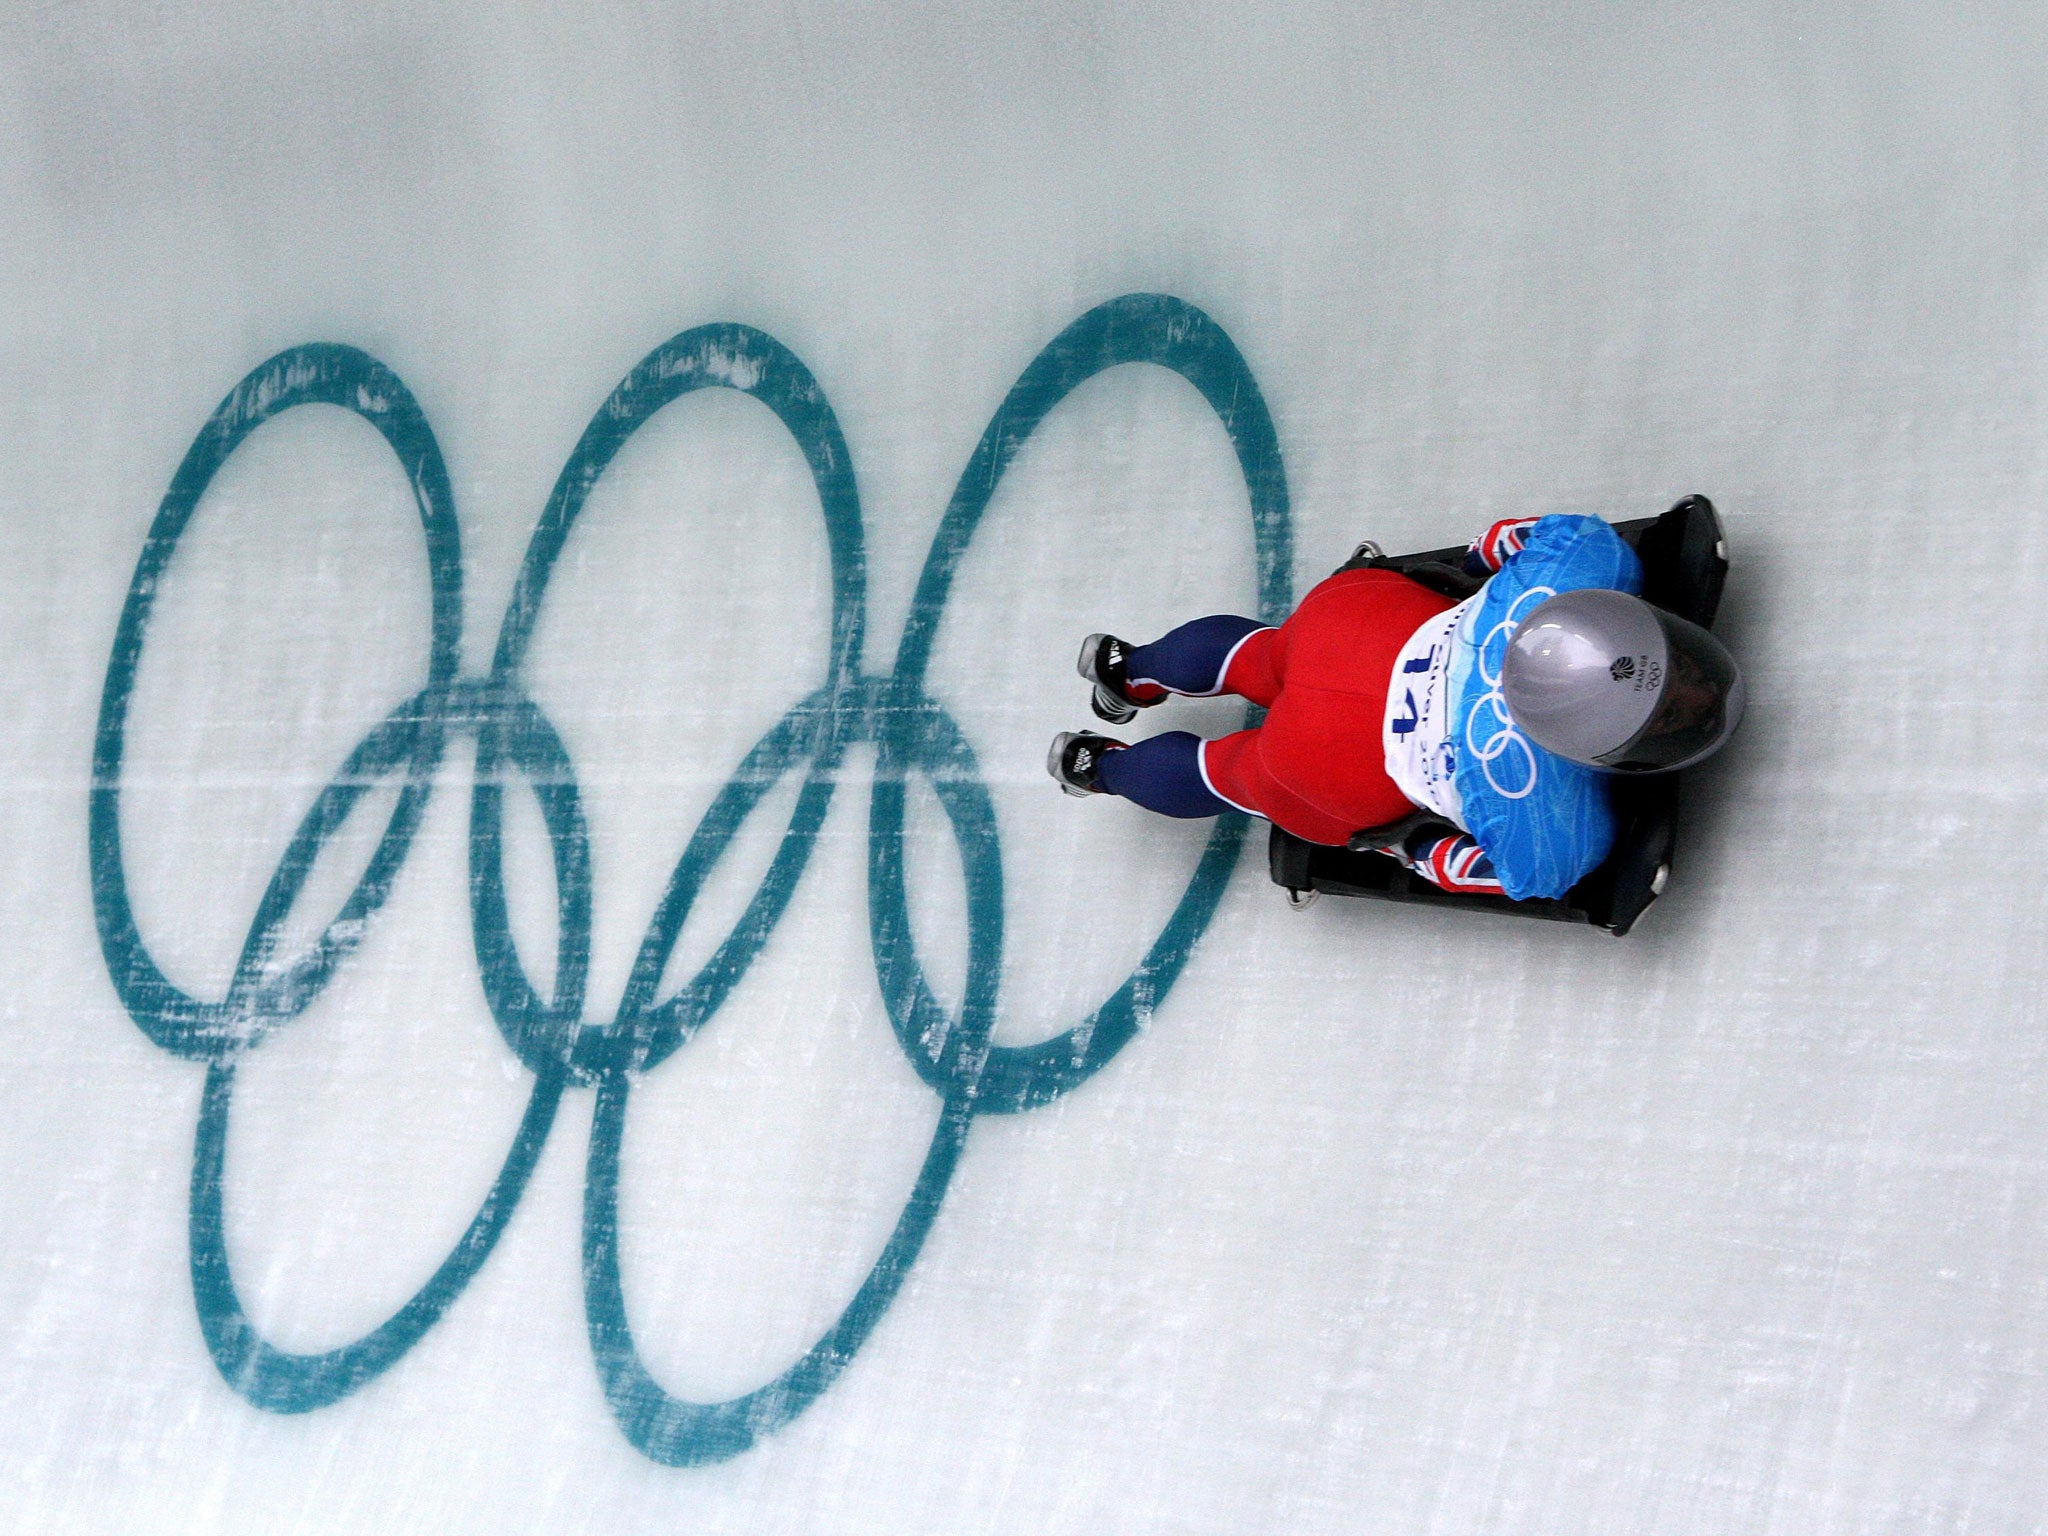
{"x": 171, "y": 1017}
{"x": 1140, "y": 328}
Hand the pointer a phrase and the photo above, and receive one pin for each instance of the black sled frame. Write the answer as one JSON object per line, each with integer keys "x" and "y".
{"x": 1685, "y": 563}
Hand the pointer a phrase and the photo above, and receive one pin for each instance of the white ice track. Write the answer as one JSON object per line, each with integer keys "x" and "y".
{"x": 1390, "y": 1220}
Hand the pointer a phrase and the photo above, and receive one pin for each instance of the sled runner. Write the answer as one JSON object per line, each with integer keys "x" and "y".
{"x": 1685, "y": 562}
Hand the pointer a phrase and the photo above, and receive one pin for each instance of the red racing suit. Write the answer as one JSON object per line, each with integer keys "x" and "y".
{"x": 1315, "y": 765}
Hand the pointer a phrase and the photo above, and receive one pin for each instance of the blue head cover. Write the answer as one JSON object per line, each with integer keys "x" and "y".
{"x": 1545, "y": 822}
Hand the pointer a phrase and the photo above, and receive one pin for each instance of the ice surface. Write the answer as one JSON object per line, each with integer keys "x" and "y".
{"x": 1383, "y": 1219}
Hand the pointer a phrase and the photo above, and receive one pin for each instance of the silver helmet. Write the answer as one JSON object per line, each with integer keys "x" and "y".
{"x": 1608, "y": 680}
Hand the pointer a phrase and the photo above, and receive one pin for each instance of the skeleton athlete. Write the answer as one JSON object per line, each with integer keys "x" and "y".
{"x": 1473, "y": 741}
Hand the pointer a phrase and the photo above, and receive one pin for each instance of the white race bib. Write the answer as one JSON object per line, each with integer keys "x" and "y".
{"x": 1422, "y": 754}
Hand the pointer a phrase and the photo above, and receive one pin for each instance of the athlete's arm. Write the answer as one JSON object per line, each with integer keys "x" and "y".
{"x": 1448, "y": 859}
{"x": 1498, "y": 545}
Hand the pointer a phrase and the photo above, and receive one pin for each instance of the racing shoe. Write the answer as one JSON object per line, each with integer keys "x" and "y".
{"x": 1076, "y": 761}
{"x": 1105, "y": 663}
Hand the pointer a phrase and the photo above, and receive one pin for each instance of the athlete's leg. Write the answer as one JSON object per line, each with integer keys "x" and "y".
{"x": 1197, "y": 659}
{"x": 1162, "y": 773}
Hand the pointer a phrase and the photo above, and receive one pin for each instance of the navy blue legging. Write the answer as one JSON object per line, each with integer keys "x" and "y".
{"x": 1164, "y": 773}
{"x": 1190, "y": 659}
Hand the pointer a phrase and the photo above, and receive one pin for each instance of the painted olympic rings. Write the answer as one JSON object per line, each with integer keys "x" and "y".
{"x": 951, "y": 1051}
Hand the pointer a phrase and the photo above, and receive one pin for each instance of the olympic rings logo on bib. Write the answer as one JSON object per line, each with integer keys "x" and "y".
{"x": 1505, "y": 737}
{"x": 950, "y": 1050}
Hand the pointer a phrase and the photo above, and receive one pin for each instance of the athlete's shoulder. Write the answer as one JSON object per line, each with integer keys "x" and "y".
{"x": 1542, "y": 820}
{"x": 1565, "y": 550}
